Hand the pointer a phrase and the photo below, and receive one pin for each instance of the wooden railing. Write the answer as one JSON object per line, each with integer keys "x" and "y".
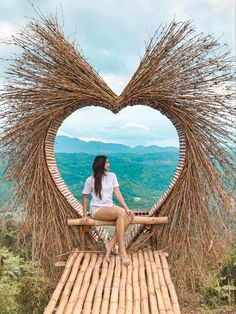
{"x": 137, "y": 219}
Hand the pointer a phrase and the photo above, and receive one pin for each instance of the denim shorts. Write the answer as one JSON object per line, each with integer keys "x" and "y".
{"x": 94, "y": 209}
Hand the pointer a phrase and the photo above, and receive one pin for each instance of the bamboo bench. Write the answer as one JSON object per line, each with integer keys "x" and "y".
{"x": 137, "y": 219}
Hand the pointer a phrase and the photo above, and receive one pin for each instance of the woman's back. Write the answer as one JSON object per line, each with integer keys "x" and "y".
{"x": 109, "y": 181}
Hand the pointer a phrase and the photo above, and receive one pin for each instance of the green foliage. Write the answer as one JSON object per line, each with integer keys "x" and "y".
{"x": 219, "y": 290}
{"x": 8, "y": 238}
{"x": 8, "y": 294}
{"x": 33, "y": 294}
{"x": 23, "y": 286}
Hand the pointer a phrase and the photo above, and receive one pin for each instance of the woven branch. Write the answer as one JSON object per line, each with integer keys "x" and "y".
{"x": 186, "y": 76}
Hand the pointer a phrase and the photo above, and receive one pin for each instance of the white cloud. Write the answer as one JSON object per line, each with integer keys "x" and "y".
{"x": 135, "y": 126}
{"x": 115, "y": 81}
{"x": 97, "y": 139}
{"x": 60, "y": 133}
{"x": 7, "y": 29}
{"x": 165, "y": 142}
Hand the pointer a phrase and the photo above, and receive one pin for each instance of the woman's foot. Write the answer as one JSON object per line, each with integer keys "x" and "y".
{"x": 107, "y": 258}
{"x": 115, "y": 250}
{"x": 125, "y": 258}
{"x": 108, "y": 251}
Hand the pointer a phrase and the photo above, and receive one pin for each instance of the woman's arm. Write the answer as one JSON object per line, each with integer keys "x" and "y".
{"x": 85, "y": 201}
{"x": 120, "y": 199}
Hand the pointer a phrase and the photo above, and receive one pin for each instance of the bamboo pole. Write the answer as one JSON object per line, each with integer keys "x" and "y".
{"x": 136, "y": 220}
{"x": 151, "y": 291}
{"x": 159, "y": 297}
{"x": 69, "y": 284}
{"x": 169, "y": 283}
{"x": 107, "y": 287}
{"x": 55, "y": 296}
{"x": 164, "y": 290}
{"x": 82, "y": 237}
{"x": 114, "y": 299}
{"x": 90, "y": 294}
{"x": 86, "y": 281}
{"x": 136, "y": 287}
{"x": 129, "y": 290}
{"x": 121, "y": 307}
{"x": 78, "y": 283}
{"x": 99, "y": 290}
{"x": 143, "y": 285}
{"x": 60, "y": 264}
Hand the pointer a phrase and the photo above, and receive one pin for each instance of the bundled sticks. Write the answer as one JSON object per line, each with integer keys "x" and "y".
{"x": 186, "y": 76}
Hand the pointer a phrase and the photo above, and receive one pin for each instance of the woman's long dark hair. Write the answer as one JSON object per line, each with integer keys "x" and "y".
{"x": 98, "y": 172}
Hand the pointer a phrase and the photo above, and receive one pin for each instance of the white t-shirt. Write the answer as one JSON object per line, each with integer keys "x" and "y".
{"x": 109, "y": 181}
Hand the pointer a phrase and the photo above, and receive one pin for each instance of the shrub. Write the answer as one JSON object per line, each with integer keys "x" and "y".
{"x": 218, "y": 290}
{"x": 23, "y": 287}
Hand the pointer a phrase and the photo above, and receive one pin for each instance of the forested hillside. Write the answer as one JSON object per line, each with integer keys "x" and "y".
{"x": 142, "y": 178}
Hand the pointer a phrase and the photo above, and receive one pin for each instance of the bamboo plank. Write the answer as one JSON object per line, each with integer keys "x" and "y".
{"x": 77, "y": 285}
{"x": 143, "y": 285}
{"x": 121, "y": 307}
{"x": 86, "y": 280}
{"x": 56, "y": 294}
{"x": 164, "y": 290}
{"x": 169, "y": 283}
{"x": 159, "y": 297}
{"x": 114, "y": 298}
{"x": 89, "y": 298}
{"x": 151, "y": 291}
{"x": 98, "y": 294}
{"x": 69, "y": 285}
{"x": 129, "y": 291}
{"x": 107, "y": 287}
{"x": 135, "y": 281}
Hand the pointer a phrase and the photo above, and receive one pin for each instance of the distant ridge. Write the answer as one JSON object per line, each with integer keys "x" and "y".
{"x": 65, "y": 144}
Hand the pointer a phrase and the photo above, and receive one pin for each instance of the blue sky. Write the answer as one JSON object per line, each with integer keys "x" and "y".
{"x": 112, "y": 35}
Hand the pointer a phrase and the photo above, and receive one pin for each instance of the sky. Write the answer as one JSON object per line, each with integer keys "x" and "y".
{"x": 112, "y": 35}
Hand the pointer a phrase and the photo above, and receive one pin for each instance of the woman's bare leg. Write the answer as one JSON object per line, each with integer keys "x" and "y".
{"x": 120, "y": 230}
{"x": 111, "y": 243}
{"x": 118, "y": 214}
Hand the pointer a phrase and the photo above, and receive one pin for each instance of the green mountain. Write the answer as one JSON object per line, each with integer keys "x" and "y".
{"x": 64, "y": 144}
{"x": 142, "y": 178}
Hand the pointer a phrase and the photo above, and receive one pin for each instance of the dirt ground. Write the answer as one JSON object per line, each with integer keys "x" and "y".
{"x": 190, "y": 304}
{"x": 200, "y": 310}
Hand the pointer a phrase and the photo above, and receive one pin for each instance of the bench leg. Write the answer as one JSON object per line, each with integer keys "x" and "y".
{"x": 82, "y": 237}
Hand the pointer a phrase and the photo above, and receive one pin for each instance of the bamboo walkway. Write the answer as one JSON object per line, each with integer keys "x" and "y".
{"x": 91, "y": 285}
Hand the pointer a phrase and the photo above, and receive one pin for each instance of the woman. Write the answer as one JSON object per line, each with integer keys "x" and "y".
{"x": 101, "y": 185}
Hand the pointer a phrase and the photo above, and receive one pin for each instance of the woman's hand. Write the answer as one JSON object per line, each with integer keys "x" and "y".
{"x": 84, "y": 219}
{"x": 129, "y": 212}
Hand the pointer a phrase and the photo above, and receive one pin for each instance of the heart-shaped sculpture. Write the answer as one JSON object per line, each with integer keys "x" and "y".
{"x": 49, "y": 149}
{"x": 178, "y": 76}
